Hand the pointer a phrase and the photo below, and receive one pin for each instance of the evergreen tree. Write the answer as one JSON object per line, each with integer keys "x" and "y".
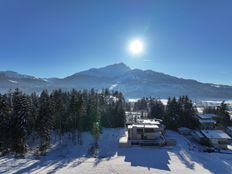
{"x": 172, "y": 115}
{"x": 187, "y": 113}
{"x": 157, "y": 109}
{"x": 57, "y": 99}
{"x": 45, "y": 121}
{"x": 224, "y": 117}
{"x": 20, "y": 115}
{"x": 5, "y": 121}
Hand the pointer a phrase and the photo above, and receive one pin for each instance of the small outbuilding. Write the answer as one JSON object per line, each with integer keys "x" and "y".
{"x": 207, "y": 121}
{"x": 217, "y": 138}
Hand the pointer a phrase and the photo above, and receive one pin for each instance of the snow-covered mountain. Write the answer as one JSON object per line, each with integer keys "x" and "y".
{"x": 134, "y": 83}
{"x": 11, "y": 80}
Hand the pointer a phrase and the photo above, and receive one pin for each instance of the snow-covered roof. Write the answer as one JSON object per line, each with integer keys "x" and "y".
{"x": 148, "y": 121}
{"x": 151, "y": 126}
{"x": 215, "y": 134}
{"x": 206, "y": 116}
{"x": 207, "y": 121}
{"x": 133, "y": 113}
{"x": 133, "y": 100}
{"x": 136, "y": 125}
{"x": 200, "y": 110}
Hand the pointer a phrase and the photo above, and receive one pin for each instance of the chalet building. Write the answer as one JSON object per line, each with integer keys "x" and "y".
{"x": 207, "y": 121}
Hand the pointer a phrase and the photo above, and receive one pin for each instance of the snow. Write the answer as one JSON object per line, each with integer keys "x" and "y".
{"x": 207, "y": 121}
{"x": 13, "y": 81}
{"x": 148, "y": 121}
{"x": 133, "y": 100}
{"x": 206, "y": 116}
{"x": 215, "y": 134}
{"x": 216, "y": 86}
{"x": 200, "y": 110}
{"x": 164, "y": 101}
{"x": 44, "y": 79}
{"x": 136, "y": 125}
{"x": 72, "y": 159}
{"x": 151, "y": 126}
{"x": 113, "y": 86}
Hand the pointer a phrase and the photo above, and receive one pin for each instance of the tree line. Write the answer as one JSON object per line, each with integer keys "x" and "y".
{"x": 177, "y": 113}
{"x": 223, "y": 119}
{"x": 23, "y": 116}
{"x": 37, "y": 116}
{"x": 181, "y": 112}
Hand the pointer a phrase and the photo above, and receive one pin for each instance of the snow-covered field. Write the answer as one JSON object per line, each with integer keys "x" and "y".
{"x": 68, "y": 158}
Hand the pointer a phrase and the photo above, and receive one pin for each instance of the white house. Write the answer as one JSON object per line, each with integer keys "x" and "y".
{"x": 144, "y": 132}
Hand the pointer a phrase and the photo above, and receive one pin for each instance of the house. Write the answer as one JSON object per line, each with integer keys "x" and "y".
{"x": 229, "y": 130}
{"x": 217, "y": 138}
{"x": 214, "y": 138}
{"x": 145, "y": 132}
{"x": 207, "y": 121}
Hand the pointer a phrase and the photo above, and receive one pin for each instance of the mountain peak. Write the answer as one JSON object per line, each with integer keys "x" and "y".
{"x": 109, "y": 71}
{"x": 118, "y": 66}
{"x": 121, "y": 64}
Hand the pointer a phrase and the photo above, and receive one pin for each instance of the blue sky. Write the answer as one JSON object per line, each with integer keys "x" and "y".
{"x": 54, "y": 38}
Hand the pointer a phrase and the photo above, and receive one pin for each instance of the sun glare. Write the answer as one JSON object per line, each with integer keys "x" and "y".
{"x": 136, "y": 46}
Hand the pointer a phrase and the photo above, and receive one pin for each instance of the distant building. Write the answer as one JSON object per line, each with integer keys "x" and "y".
{"x": 207, "y": 121}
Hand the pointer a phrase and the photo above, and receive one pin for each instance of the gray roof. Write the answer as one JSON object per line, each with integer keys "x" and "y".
{"x": 215, "y": 134}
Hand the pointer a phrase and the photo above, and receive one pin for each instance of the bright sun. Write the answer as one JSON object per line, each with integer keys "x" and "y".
{"x": 136, "y": 46}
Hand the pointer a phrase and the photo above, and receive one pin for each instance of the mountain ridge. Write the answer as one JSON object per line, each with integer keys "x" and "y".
{"x": 134, "y": 83}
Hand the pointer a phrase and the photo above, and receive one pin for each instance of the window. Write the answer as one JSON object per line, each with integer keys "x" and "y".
{"x": 149, "y": 130}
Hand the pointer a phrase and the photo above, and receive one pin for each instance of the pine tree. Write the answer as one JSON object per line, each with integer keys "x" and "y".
{"x": 5, "y": 121}
{"x": 172, "y": 115}
{"x": 45, "y": 121}
{"x": 224, "y": 118}
{"x": 20, "y": 115}
{"x": 187, "y": 113}
{"x": 156, "y": 109}
{"x": 57, "y": 99}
